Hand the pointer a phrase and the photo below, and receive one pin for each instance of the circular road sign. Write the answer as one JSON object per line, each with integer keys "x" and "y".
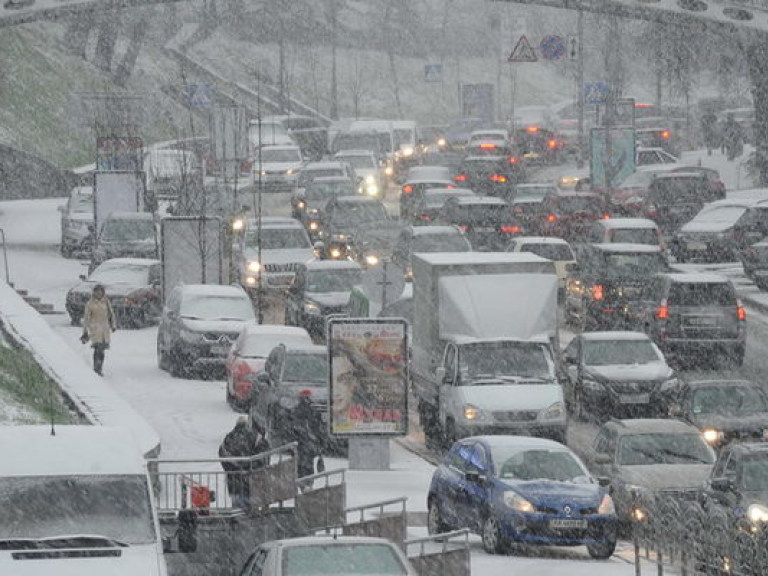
{"x": 552, "y": 47}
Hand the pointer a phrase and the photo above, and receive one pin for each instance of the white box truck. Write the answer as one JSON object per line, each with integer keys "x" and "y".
{"x": 484, "y": 342}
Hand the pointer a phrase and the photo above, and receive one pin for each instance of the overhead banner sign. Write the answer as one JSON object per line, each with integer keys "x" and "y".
{"x": 368, "y": 363}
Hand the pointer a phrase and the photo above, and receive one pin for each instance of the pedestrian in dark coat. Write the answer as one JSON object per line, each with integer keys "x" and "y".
{"x": 241, "y": 442}
{"x": 306, "y": 430}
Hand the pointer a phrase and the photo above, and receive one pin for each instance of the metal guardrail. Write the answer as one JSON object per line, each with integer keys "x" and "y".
{"x": 5, "y": 256}
{"x": 441, "y": 555}
{"x": 383, "y": 524}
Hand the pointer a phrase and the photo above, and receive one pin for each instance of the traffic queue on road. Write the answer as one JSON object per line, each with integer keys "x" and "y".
{"x": 488, "y": 260}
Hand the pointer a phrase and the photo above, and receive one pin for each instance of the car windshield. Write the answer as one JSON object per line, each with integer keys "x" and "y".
{"x": 305, "y": 368}
{"x": 278, "y": 238}
{"x": 754, "y": 474}
{"x": 642, "y": 264}
{"x": 660, "y": 448}
{"x": 571, "y": 204}
{"x": 324, "y": 190}
{"x": 128, "y": 231}
{"x": 538, "y": 464}
{"x": 338, "y": 560}
{"x": 354, "y": 214}
{"x": 377, "y": 142}
{"x": 360, "y": 162}
{"x": 702, "y": 294}
{"x": 510, "y": 361}
{"x": 333, "y": 280}
{"x": 482, "y": 215}
{"x": 550, "y": 251}
{"x": 638, "y": 180}
{"x": 118, "y": 273}
{"x": 284, "y": 155}
{"x": 82, "y": 203}
{"x": 308, "y": 175}
{"x": 635, "y": 236}
{"x": 619, "y": 352}
{"x": 260, "y": 345}
{"x": 115, "y": 507}
{"x": 443, "y": 242}
{"x": 722, "y": 215}
{"x": 728, "y": 400}
{"x": 671, "y": 191}
{"x": 438, "y": 199}
{"x": 216, "y": 307}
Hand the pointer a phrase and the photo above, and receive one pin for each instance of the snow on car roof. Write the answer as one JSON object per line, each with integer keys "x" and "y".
{"x": 474, "y": 200}
{"x": 614, "y": 223}
{"x": 132, "y": 261}
{"x": 332, "y": 265}
{"x": 253, "y": 328}
{"x": 343, "y": 153}
{"x": 323, "y": 164}
{"x": 521, "y": 442}
{"x": 331, "y": 179}
{"x": 652, "y": 426}
{"x": 274, "y": 222}
{"x": 697, "y": 277}
{"x": 306, "y": 349}
{"x": 540, "y": 240}
{"x": 613, "y": 335}
{"x": 213, "y": 290}
{"x": 327, "y": 540}
{"x": 458, "y": 258}
{"x": 281, "y": 147}
{"x": 432, "y": 230}
{"x": 627, "y": 247}
{"x": 443, "y": 190}
{"x": 74, "y": 450}
{"x": 130, "y": 216}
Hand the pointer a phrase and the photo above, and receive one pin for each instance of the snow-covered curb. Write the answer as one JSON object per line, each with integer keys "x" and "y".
{"x": 88, "y": 393}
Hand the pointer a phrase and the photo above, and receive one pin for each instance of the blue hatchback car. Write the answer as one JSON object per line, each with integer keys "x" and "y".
{"x": 519, "y": 489}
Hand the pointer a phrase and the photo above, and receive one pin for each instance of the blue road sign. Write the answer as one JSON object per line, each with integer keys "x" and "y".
{"x": 433, "y": 73}
{"x": 596, "y": 92}
{"x": 200, "y": 95}
{"x": 552, "y": 47}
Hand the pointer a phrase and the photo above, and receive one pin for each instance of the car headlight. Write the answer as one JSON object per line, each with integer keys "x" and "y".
{"x": 250, "y": 281}
{"x": 606, "y": 506}
{"x": 340, "y": 237}
{"x": 335, "y": 253}
{"x": 371, "y": 260}
{"x": 314, "y": 225}
{"x": 441, "y": 142}
{"x": 372, "y": 189}
{"x": 712, "y": 435}
{"x": 288, "y": 402}
{"x": 593, "y": 385}
{"x": 670, "y": 384}
{"x": 311, "y": 308}
{"x": 389, "y": 171}
{"x": 301, "y": 205}
{"x": 758, "y": 514}
{"x": 516, "y": 502}
{"x": 370, "y": 179}
{"x": 238, "y": 224}
{"x": 289, "y": 171}
{"x": 472, "y": 413}
{"x": 254, "y": 266}
{"x": 555, "y": 412}
{"x": 407, "y": 151}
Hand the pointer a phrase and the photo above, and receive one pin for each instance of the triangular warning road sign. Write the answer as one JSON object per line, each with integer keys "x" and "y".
{"x": 523, "y": 51}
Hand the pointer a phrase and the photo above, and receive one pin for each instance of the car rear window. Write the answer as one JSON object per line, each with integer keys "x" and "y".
{"x": 677, "y": 190}
{"x": 337, "y": 560}
{"x": 635, "y": 236}
{"x": 570, "y": 204}
{"x": 702, "y": 294}
{"x": 557, "y": 252}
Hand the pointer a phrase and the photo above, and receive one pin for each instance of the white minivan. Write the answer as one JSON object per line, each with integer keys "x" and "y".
{"x": 77, "y": 502}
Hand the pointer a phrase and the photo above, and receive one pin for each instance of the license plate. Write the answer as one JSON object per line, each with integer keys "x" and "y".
{"x": 324, "y": 416}
{"x": 696, "y": 245}
{"x": 219, "y": 349}
{"x": 567, "y": 523}
{"x": 485, "y": 229}
{"x": 634, "y": 398}
{"x": 704, "y": 321}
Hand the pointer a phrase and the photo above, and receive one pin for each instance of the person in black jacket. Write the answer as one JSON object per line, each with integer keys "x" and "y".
{"x": 306, "y": 430}
{"x": 241, "y": 442}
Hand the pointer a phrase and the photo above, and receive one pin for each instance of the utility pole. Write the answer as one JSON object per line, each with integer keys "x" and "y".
{"x": 580, "y": 87}
{"x": 260, "y": 276}
{"x": 334, "y": 86}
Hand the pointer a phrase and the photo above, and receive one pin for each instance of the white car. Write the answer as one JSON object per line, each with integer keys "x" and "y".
{"x": 369, "y": 172}
{"x": 549, "y": 247}
{"x": 276, "y": 168}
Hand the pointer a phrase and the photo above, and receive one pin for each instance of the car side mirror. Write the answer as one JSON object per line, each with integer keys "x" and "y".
{"x": 601, "y": 458}
{"x": 82, "y": 277}
{"x": 263, "y": 378}
{"x": 722, "y": 484}
{"x": 604, "y": 481}
{"x": 475, "y": 476}
{"x": 440, "y": 373}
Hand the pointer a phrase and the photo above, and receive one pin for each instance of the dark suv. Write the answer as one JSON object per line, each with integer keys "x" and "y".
{"x": 198, "y": 325}
{"x": 570, "y": 215}
{"x": 490, "y": 175}
{"x": 693, "y": 317}
{"x": 606, "y": 287}
{"x": 289, "y": 374}
{"x": 754, "y": 258}
{"x": 674, "y": 198}
{"x": 487, "y": 221}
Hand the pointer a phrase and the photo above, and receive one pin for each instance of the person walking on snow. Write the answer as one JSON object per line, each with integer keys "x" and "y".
{"x": 98, "y": 325}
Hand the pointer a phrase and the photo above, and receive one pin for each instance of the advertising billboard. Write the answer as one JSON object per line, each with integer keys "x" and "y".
{"x": 368, "y": 362}
{"x": 612, "y": 156}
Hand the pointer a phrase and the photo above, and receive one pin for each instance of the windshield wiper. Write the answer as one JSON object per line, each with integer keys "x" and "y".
{"x": 681, "y": 456}
{"x": 188, "y": 317}
{"x": 225, "y": 318}
{"x": 57, "y": 542}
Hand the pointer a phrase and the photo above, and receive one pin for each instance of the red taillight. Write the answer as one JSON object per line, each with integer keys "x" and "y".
{"x": 487, "y": 146}
{"x": 305, "y": 392}
{"x": 606, "y": 216}
{"x": 498, "y": 178}
{"x": 532, "y": 129}
{"x": 513, "y": 159}
{"x": 741, "y": 312}
{"x": 552, "y": 144}
{"x": 425, "y": 217}
{"x": 597, "y": 292}
{"x": 662, "y": 312}
{"x": 461, "y": 177}
{"x": 551, "y": 217}
{"x": 463, "y": 227}
{"x": 407, "y": 189}
{"x": 510, "y": 229}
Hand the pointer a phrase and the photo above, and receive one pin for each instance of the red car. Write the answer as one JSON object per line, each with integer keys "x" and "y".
{"x": 249, "y": 353}
{"x": 571, "y": 215}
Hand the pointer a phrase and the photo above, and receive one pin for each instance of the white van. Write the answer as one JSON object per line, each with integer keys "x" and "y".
{"x": 76, "y": 503}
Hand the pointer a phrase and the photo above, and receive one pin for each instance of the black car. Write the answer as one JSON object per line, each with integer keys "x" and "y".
{"x": 315, "y": 198}
{"x": 617, "y": 374}
{"x": 724, "y": 410}
{"x": 607, "y": 287}
{"x": 738, "y": 487}
{"x": 132, "y": 286}
{"x": 428, "y": 207}
{"x": 414, "y": 239}
{"x": 490, "y": 175}
{"x": 674, "y": 198}
{"x": 570, "y": 215}
{"x": 199, "y": 324}
{"x": 486, "y": 221}
{"x": 754, "y": 258}
{"x": 694, "y": 318}
{"x": 375, "y": 242}
{"x": 320, "y": 289}
{"x": 289, "y": 374}
{"x": 126, "y": 235}
{"x": 528, "y": 202}
{"x": 342, "y": 217}
{"x": 419, "y": 180}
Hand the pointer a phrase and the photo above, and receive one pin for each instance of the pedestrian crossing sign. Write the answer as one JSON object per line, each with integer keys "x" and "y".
{"x": 523, "y": 51}
{"x": 200, "y": 95}
{"x": 433, "y": 73}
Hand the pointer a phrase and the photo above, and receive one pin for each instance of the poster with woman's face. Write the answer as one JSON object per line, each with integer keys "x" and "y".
{"x": 369, "y": 376}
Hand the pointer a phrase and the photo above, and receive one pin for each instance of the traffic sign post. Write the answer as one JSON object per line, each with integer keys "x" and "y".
{"x": 596, "y": 93}
{"x": 433, "y": 73}
{"x": 200, "y": 95}
{"x": 523, "y": 51}
{"x": 552, "y": 47}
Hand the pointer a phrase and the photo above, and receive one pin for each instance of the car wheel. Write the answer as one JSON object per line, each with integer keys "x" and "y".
{"x": 493, "y": 540}
{"x": 579, "y": 410}
{"x": 602, "y": 550}
{"x": 75, "y": 320}
{"x": 162, "y": 358}
{"x": 435, "y": 524}
{"x": 176, "y": 364}
{"x": 65, "y": 250}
